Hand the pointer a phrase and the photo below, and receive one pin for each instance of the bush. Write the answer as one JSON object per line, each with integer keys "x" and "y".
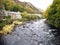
{"x": 5, "y": 22}
{"x": 24, "y": 14}
{"x": 22, "y": 19}
{"x": 2, "y": 23}
{"x": 8, "y": 17}
{"x": 32, "y": 17}
{"x": 53, "y": 13}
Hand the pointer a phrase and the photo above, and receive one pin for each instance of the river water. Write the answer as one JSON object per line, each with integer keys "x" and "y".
{"x": 32, "y": 33}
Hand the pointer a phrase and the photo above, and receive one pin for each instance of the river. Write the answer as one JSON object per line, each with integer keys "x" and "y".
{"x": 32, "y": 33}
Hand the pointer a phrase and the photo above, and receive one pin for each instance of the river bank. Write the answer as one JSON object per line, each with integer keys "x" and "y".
{"x": 9, "y": 28}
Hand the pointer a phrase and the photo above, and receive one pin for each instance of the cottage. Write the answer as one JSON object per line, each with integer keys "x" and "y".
{"x": 14, "y": 15}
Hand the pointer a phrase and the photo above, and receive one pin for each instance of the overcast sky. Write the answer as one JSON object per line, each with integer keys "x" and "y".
{"x": 42, "y": 4}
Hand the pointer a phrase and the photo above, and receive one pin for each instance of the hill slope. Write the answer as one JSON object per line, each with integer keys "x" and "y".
{"x": 28, "y": 6}
{"x": 16, "y": 5}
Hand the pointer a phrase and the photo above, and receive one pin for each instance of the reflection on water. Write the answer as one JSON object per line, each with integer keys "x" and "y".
{"x": 33, "y": 33}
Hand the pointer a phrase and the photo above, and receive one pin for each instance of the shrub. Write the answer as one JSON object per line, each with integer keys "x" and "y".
{"x": 32, "y": 17}
{"x": 1, "y": 24}
{"x": 5, "y": 22}
{"x": 8, "y": 17}
{"x": 53, "y": 13}
{"x": 24, "y": 14}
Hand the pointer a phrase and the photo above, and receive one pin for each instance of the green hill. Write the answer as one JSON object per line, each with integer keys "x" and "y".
{"x": 16, "y": 5}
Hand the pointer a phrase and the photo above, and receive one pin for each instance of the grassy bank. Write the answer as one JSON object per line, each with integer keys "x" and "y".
{"x": 9, "y": 28}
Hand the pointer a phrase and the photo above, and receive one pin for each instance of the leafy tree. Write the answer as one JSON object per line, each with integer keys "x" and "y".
{"x": 53, "y": 14}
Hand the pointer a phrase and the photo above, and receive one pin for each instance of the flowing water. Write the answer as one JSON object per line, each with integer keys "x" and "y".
{"x": 32, "y": 33}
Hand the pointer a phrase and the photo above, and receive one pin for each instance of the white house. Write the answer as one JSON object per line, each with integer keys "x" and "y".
{"x": 14, "y": 15}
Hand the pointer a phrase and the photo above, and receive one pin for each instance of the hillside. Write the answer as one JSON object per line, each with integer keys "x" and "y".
{"x": 16, "y": 5}
{"x": 30, "y": 8}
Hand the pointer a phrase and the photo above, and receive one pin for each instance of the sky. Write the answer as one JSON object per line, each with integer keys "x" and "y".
{"x": 40, "y": 4}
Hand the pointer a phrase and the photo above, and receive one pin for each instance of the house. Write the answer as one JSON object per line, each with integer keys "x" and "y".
{"x": 14, "y": 15}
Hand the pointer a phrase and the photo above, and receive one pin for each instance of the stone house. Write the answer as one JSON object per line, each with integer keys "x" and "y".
{"x": 14, "y": 15}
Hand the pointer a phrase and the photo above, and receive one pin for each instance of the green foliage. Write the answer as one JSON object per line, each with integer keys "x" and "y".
{"x": 12, "y": 6}
{"x": 8, "y": 17}
{"x": 17, "y": 8}
{"x": 31, "y": 17}
{"x": 1, "y": 24}
{"x": 8, "y": 4}
{"x": 24, "y": 14}
{"x": 5, "y": 22}
{"x": 53, "y": 14}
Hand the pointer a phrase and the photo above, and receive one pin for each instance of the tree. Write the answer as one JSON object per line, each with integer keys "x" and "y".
{"x": 53, "y": 13}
